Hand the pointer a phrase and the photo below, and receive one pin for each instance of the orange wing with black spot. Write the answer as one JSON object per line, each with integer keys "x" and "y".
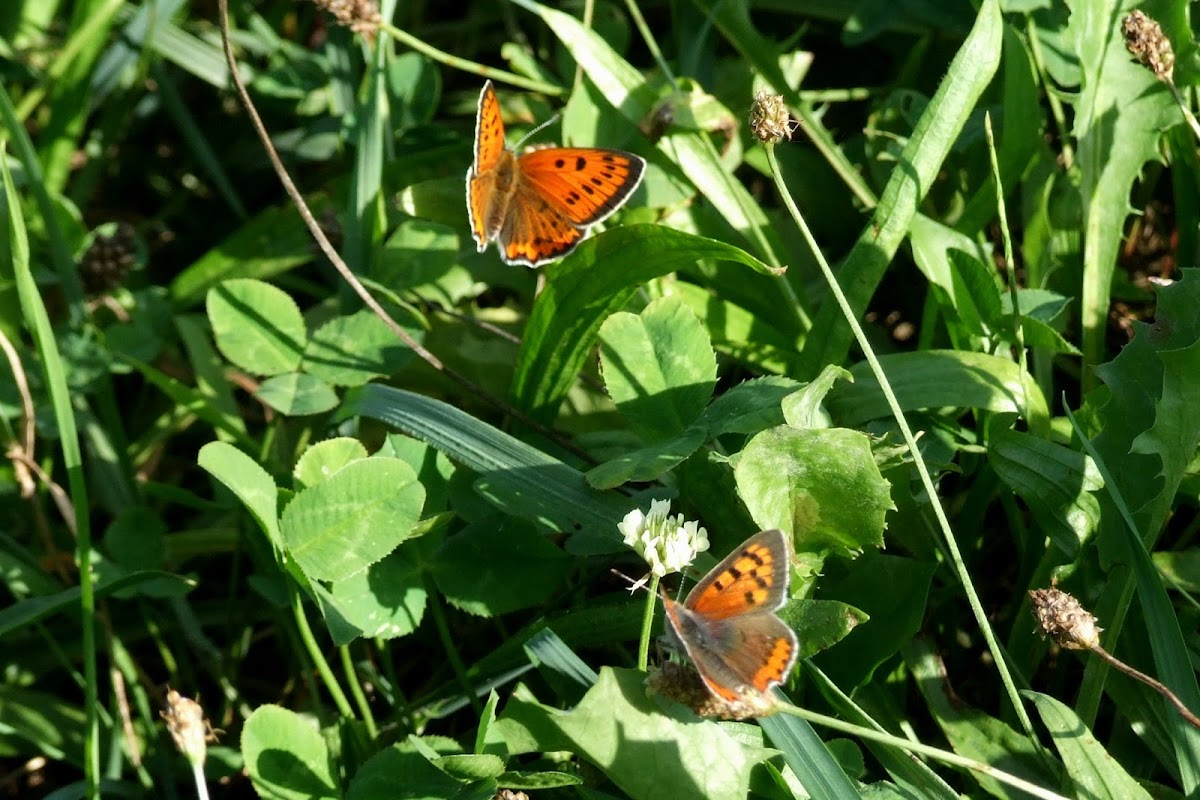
{"x": 586, "y": 184}
{"x": 752, "y": 578}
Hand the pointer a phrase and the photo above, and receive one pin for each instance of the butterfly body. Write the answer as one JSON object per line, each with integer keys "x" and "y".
{"x": 539, "y": 205}
{"x": 728, "y": 626}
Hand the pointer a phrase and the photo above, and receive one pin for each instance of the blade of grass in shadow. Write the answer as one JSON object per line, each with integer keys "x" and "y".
{"x": 366, "y": 218}
{"x": 1162, "y": 626}
{"x": 515, "y": 476}
{"x": 936, "y": 131}
{"x": 38, "y": 322}
{"x": 68, "y": 96}
{"x": 205, "y": 155}
{"x": 64, "y": 262}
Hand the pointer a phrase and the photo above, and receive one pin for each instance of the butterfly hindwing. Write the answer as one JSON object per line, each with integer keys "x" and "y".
{"x": 535, "y": 232}
{"x": 752, "y": 578}
{"x": 586, "y": 184}
{"x": 754, "y": 651}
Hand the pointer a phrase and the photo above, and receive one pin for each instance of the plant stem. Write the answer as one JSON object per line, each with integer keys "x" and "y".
{"x": 640, "y": 23}
{"x": 470, "y": 66}
{"x": 956, "y": 558}
{"x": 647, "y": 623}
{"x": 1156, "y": 685}
{"x": 1018, "y": 330}
{"x": 314, "y": 652}
{"x": 360, "y": 699}
{"x": 922, "y": 749}
{"x": 1056, "y": 106}
{"x": 456, "y": 662}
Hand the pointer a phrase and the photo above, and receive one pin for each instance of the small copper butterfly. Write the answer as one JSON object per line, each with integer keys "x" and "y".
{"x": 537, "y": 206}
{"x": 728, "y": 626}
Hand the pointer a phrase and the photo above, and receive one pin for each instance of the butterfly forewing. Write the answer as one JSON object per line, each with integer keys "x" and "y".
{"x": 750, "y": 579}
{"x": 587, "y": 184}
{"x": 489, "y": 131}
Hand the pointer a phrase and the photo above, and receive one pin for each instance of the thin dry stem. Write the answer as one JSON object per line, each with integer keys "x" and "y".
{"x": 1156, "y": 685}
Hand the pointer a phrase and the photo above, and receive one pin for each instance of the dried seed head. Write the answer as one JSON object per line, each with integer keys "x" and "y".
{"x": 108, "y": 259}
{"x": 1149, "y": 45}
{"x": 360, "y": 16}
{"x": 510, "y": 794}
{"x": 769, "y": 118}
{"x": 188, "y": 727}
{"x": 1064, "y": 620}
{"x": 682, "y": 684}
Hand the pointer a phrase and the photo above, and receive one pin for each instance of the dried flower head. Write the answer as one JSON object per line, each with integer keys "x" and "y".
{"x": 360, "y": 16}
{"x": 188, "y": 727}
{"x": 1064, "y": 620}
{"x": 1149, "y": 45}
{"x": 510, "y": 794}
{"x": 769, "y": 118}
{"x": 681, "y": 683}
{"x": 668, "y": 543}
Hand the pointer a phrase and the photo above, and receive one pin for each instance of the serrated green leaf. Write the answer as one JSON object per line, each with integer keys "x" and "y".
{"x": 1119, "y": 100}
{"x": 821, "y": 487}
{"x": 325, "y": 458}
{"x": 658, "y": 367}
{"x": 257, "y": 326}
{"x": 385, "y": 600}
{"x": 349, "y": 351}
{"x": 353, "y": 518}
{"x": 286, "y": 757}
{"x": 296, "y": 394}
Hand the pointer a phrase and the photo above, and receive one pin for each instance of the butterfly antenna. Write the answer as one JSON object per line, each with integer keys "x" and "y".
{"x": 529, "y": 135}
{"x": 634, "y": 585}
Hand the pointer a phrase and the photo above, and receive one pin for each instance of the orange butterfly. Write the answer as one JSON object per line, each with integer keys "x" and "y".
{"x": 537, "y": 206}
{"x": 728, "y": 626}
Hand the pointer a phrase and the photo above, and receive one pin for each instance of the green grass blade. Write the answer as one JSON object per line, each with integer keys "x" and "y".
{"x": 38, "y": 322}
{"x": 939, "y": 127}
{"x": 518, "y": 478}
{"x": 806, "y": 754}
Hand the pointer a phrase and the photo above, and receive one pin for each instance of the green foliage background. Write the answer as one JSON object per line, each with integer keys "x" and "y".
{"x": 383, "y": 562}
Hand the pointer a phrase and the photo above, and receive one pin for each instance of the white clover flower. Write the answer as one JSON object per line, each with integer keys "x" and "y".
{"x": 668, "y": 543}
